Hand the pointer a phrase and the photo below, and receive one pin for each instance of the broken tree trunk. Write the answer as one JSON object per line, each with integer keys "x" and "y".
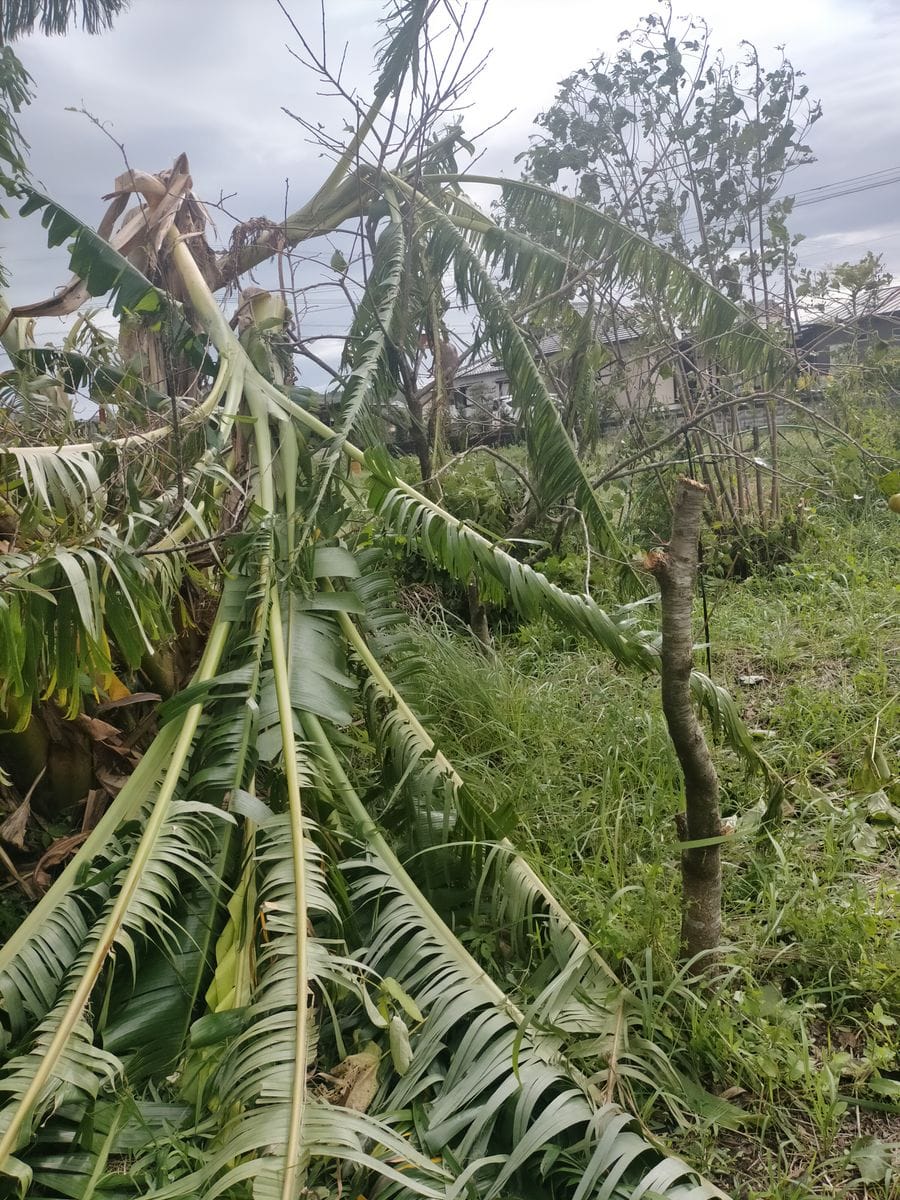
{"x": 701, "y": 867}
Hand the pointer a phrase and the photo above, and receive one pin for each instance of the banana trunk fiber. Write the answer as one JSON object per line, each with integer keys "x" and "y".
{"x": 701, "y": 867}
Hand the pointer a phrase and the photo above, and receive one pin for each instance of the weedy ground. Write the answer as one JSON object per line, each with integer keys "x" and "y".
{"x": 800, "y": 1036}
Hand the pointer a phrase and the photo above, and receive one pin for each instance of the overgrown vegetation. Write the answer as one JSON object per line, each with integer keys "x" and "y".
{"x": 803, "y": 1027}
{"x": 266, "y": 801}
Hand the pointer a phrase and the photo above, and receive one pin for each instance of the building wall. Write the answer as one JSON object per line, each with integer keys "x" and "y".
{"x": 638, "y": 386}
{"x": 482, "y": 403}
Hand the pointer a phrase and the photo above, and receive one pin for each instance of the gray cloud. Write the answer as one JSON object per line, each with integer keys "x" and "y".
{"x": 210, "y": 76}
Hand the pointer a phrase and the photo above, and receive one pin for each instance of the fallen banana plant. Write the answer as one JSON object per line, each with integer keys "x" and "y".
{"x": 252, "y": 980}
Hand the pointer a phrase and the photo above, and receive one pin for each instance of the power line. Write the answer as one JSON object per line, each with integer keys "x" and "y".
{"x": 894, "y": 172}
{"x": 850, "y": 191}
{"x": 852, "y": 179}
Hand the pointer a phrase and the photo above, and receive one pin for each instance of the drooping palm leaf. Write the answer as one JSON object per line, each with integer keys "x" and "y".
{"x": 555, "y": 465}
{"x": 101, "y": 269}
{"x": 15, "y": 93}
{"x": 460, "y": 550}
{"x": 496, "y": 1111}
{"x": 370, "y": 343}
{"x": 56, "y": 16}
{"x": 57, "y": 606}
{"x": 582, "y": 236}
{"x": 176, "y": 844}
{"x": 147, "y": 880}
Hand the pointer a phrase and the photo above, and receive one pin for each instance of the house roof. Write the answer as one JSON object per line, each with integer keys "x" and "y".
{"x": 548, "y": 346}
{"x": 837, "y": 325}
{"x": 889, "y": 305}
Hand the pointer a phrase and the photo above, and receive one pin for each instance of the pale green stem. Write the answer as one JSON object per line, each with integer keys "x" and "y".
{"x": 266, "y": 494}
{"x": 9, "y": 339}
{"x": 225, "y": 340}
{"x": 292, "y": 781}
{"x": 100, "y": 1167}
{"x": 113, "y": 924}
{"x": 290, "y": 462}
{"x": 229, "y": 412}
{"x": 358, "y": 642}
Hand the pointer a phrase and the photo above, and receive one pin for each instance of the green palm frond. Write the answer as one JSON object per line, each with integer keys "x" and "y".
{"x": 264, "y": 1096}
{"x": 57, "y": 605}
{"x": 572, "y": 994}
{"x": 63, "y": 1054}
{"x": 319, "y": 680}
{"x": 370, "y": 344}
{"x": 61, "y": 481}
{"x": 398, "y": 54}
{"x": 56, "y": 16}
{"x": 35, "y": 959}
{"x": 101, "y": 269}
{"x": 580, "y": 235}
{"x": 555, "y": 466}
{"x": 386, "y": 625}
{"x": 147, "y": 1017}
{"x": 78, "y": 1075}
{"x": 460, "y": 550}
{"x": 173, "y": 837}
{"x": 494, "y": 1096}
{"x": 258, "y": 1072}
{"x": 493, "y": 1092}
{"x": 15, "y": 93}
{"x": 428, "y": 800}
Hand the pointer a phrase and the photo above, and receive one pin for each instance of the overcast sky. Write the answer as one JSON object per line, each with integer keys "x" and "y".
{"x": 210, "y": 77}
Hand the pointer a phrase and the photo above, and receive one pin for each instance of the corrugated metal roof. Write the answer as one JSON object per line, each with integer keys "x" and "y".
{"x": 889, "y": 305}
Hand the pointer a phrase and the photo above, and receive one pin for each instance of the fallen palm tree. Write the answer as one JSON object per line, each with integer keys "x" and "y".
{"x": 253, "y": 977}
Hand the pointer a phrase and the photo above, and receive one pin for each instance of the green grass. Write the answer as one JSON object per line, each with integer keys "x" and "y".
{"x": 804, "y": 1023}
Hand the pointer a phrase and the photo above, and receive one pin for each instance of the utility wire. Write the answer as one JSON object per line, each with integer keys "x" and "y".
{"x": 694, "y": 228}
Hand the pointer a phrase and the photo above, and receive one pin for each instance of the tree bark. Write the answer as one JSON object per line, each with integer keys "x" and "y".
{"x": 422, "y": 448}
{"x": 701, "y": 867}
{"x": 478, "y": 621}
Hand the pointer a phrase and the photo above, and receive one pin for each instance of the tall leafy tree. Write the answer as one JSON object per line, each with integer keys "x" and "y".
{"x": 686, "y": 146}
{"x": 696, "y": 151}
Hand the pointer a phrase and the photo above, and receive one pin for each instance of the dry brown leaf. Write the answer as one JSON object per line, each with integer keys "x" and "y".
{"x": 131, "y": 698}
{"x": 99, "y": 731}
{"x": 13, "y": 829}
{"x": 94, "y": 807}
{"x": 15, "y": 825}
{"x": 112, "y": 781}
{"x": 355, "y": 1080}
{"x": 55, "y": 854}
